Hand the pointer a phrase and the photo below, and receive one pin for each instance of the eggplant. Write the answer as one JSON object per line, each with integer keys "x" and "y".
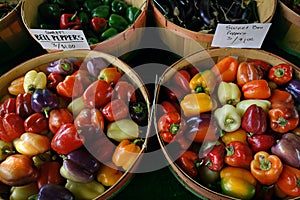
{"x": 293, "y": 87}
{"x": 62, "y": 66}
{"x": 204, "y": 12}
{"x": 288, "y": 149}
{"x": 52, "y": 191}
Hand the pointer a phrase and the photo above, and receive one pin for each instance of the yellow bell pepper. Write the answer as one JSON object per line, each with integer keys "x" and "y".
{"x": 34, "y": 80}
{"x": 229, "y": 93}
{"x": 238, "y": 135}
{"x": 196, "y": 103}
{"x": 203, "y": 82}
{"x": 107, "y": 175}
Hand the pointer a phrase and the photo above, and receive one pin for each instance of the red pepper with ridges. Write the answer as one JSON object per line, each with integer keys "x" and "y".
{"x": 98, "y": 24}
{"x": 238, "y": 154}
{"x": 281, "y": 74}
{"x": 36, "y": 123}
{"x": 49, "y": 174}
{"x": 289, "y": 181}
{"x": 11, "y": 127}
{"x": 53, "y": 79}
{"x": 69, "y": 21}
{"x": 23, "y": 105}
{"x": 58, "y": 117}
{"x": 70, "y": 87}
{"x": 125, "y": 91}
{"x": 214, "y": 160}
{"x": 262, "y": 142}
{"x": 89, "y": 119}
{"x": 189, "y": 163}
{"x": 280, "y": 97}
{"x": 254, "y": 120}
{"x": 8, "y": 106}
{"x": 115, "y": 110}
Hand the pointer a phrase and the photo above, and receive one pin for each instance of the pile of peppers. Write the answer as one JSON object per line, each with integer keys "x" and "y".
{"x": 99, "y": 20}
{"x": 70, "y": 131}
{"x": 204, "y": 15}
{"x": 234, "y": 127}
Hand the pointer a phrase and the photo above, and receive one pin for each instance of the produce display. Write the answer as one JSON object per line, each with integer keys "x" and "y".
{"x": 204, "y": 15}
{"x": 70, "y": 128}
{"x": 232, "y": 126}
{"x": 99, "y": 20}
{"x": 293, "y": 4}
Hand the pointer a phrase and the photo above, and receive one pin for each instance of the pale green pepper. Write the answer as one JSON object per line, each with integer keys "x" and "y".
{"x": 123, "y": 129}
{"x": 244, "y": 104}
{"x": 34, "y": 80}
{"x": 23, "y": 192}
{"x": 229, "y": 93}
{"x": 76, "y": 106}
{"x": 6, "y": 149}
{"x": 228, "y": 118}
{"x": 85, "y": 191}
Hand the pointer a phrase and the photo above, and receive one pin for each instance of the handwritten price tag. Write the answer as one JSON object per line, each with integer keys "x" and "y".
{"x": 61, "y": 39}
{"x": 240, "y": 35}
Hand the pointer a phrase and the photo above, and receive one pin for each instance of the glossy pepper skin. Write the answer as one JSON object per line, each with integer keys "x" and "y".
{"x": 34, "y": 80}
{"x": 23, "y": 105}
{"x": 238, "y": 135}
{"x": 254, "y": 120}
{"x": 110, "y": 74}
{"x": 214, "y": 160}
{"x": 182, "y": 79}
{"x": 288, "y": 181}
{"x": 138, "y": 112}
{"x": 227, "y": 118}
{"x": 262, "y": 142}
{"x": 122, "y": 129}
{"x": 16, "y": 86}
{"x": 281, "y": 74}
{"x": 248, "y": 71}
{"x": 24, "y": 191}
{"x": 70, "y": 87}
{"x": 238, "y": 154}
{"x": 43, "y": 100}
{"x": 229, "y": 93}
{"x": 293, "y": 87}
{"x": 11, "y": 127}
{"x": 169, "y": 125}
{"x": 281, "y": 97}
{"x": 107, "y": 175}
{"x": 89, "y": 119}
{"x": 115, "y": 110}
{"x": 98, "y": 24}
{"x": 244, "y": 104}
{"x": 53, "y": 79}
{"x": 8, "y": 106}
{"x": 203, "y": 82}
{"x": 132, "y": 14}
{"x": 118, "y": 22}
{"x": 119, "y": 7}
{"x": 54, "y": 191}
{"x": 266, "y": 168}
{"x": 62, "y": 66}
{"x": 226, "y": 69}
{"x": 125, "y": 91}
{"x": 256, "y": 89}
{"x": 49, "y": 174}
{"x": 189, "y": 161}
{"x": 58, "y": 117}
{"x": 6, "y": 149}
{"x": 286, "y": 147}
{"x": 91, "y": 190}
{"x": 108, "y": 33}
{"x": 101, "y": 11}
{"x": 69, "y": 21}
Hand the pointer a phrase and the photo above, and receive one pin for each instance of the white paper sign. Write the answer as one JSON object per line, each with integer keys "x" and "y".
{"x": 240, "y": 35}
{"x": 61, "y": 39}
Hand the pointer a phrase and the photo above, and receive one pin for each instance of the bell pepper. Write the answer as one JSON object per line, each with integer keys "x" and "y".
{"x": 229, "y": 93}
{"x": 201, "y": 128}
{"x": 84, "y": 19}
{"x": 89, "y": 119}
{"x": 79, "y": 166}
{"x": 283, "y": 118}
{"x": 24, "y": 191}
{"x": 173, "y": 93}
{"x": 281, "y": 97}
{"x": 166, "y": 107}
{"x": 50, "y": 12}
{"x": 286, "y": 149}
{"x": 119, "y": 7}
{"x": 195, "y": 104}
{"x": 265, "y": 66}
{"x": 122, "y": 129}
{"x": 107, "y": 175}
{"x": 214, "y": 159}
{"x": 6, "y": 149}
{"x": 36, "y": 123}
{"x": 70, "y": 87}
{"x": 262, "y": 142}
{"x": 58, "y": 117}
{"x": 281, "y": 74}
{"x": 244, "y": 104}
{"x": 63, "y": 66}
{"x": 43, "y": 100}
{"x": 98, "y": 24}
{"x": 66, "y": 139}
{"x": 254, "y": 120}
{"x": 237, "y": 182}
{"x": 54, "y": 191}
{"x": 23, "y": 105}
{"x": 118, "y": 22}
{"x": 115, "y": 110}
{"x": 101, "y": 11}
{"x": 31, "y": 144}
{"x": 238, "y": 135}
{"x": 266, "y": 168}
{"x": 126, "y": 153}
{"x": 132, "y": 13}
{"x": 238, "y": 154}
{"x": 182, "y": 79}
{"x": 49, "y": 174}
{"x": 209, "y": 178}
{"x": 16, "y": 86}
{"x": 11, "y": 127}
{"x": 256, "y": 89}
{"x": 110, "y": 74}
{"x": 69, "y": 21}
{"x": 108, "y": 33}
{"x": 53, "y": 79}
{"x": 95, "y": 65}
{"x": 8, "y": 106}
{"x": 293, "y": 87}
{"x": 227, "y": 118}
{"x": 289, "y": 180}
{"x": 203, "y": 82}
{"x": 125, "y": 91}
{"x": 169, "y": 125}
{"x": 248, "y": 71}
{"x": 89, "y": 5}
{"x": 86, "y": 191}
{"x": 17, "y": 170}
{"x": 76, "y": 105}
{"x": 189, "y": 162}
{"x": 34, "y": 80}
{"x": 97, "y": 94}
{"x": 226, "y": 69}
{"x": 138, "y": 112}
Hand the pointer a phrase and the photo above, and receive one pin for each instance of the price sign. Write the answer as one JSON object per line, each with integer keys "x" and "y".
{"x": 61, "y": 39}
{"x": 240, "y": 35}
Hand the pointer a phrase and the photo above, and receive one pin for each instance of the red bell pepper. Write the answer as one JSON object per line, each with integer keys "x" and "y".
{"x": 115, "y": 110}
{"x": 281, "y": 74}
{"x": 238, "y": 154}
{"x": 58, "y": 117}
{"x": 254, "y": 120}
{"x": 66, "y": 139}
{"x": 89, "y": 119}
{"x": 98, "y": 24}
{"x": 23, "y": 105}
{"x": 69, "y": 21}
{"x": 110, "y": 74}
{"x": 97, "y": 94}
{"x": 49, "y": 174}
{"x": 8, "y": 106}
{"x": 214, "y": 160}
{"x": 125, "y": 91}
{"x": 289, "y": 180}
{"x": 256, "y": 89}
{"x": 262, "y": 142}
{"x": 170, "y": 125}
{"x": 280, "y": 97}
{"x": 11, "y": 127}
{"x": 182, "y": 80}
{"x": 189, "y": 162}
{"x": 82, "y": 77}
{"x": 70, "y": 87}
{"x": 53, "y": 79}
{"x": 260, "y": 63}
{"x": 167, "y": 107}
{"x": 36, "y": 123}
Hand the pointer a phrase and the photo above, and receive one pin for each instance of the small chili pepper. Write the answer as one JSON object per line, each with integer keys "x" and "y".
{"x": 256, "y": 89}
{"x": 203, "y": 82}
{"x": 16, "y": 86}
{"x": 53, "y": 79}
{"x": 122, "y": 129}
{"x": 118, "y": 22}
{"x": 281, "y": 74}
{"x": 229, "y": 93}
{"x": 43, "y": 100}
{"x": 138, "y": 112}
{"x": 226, "y": 69}
{"x": 238, "y": 154}
{"x": 34, "y": 80}
{"x": 62, "y": 66}
{"x": 288, "y": 181}
{"x": 238, "y": 135}
{"x": 49, "y": 174}
{"x": 248, "y": 71}
{"x": 69, "y": 21}
{"x": 36, "y": 123}
{"x": 107, "y": 175}
{"x": 98, "y": 24}
{"x": 8, "y": 106}
{"x": 214, "y": 160}
{"x": 11, "y": 127}
{"x": 266, "y": 168}
{"x": 58, "y": 117}
{"x": 189, "y": 162}
{"x": 227, "y": 118}
{"x": 254, "y": 120}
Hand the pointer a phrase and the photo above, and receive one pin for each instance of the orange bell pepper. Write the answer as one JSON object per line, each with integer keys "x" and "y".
{"x": 280, "y": 97}
{"x": 248, "y": 71}
{"x": 256, "y": 89}
{"x": 16, "y": 86}
{"x": 70, "y": 87}
{"x": 238, "y": 135}
{"x": 289, "y": 180}
{"x": 126, "y": 153}
{"x": 226, "y": 69}
{"x": 108, "y": 175}
{"x": 266, "y": 168}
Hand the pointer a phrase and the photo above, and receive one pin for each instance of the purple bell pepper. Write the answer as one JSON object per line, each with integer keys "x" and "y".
{"x": 293, "y": 87}
{"x": 53, "y": 191}
{"x": 95, "y": 65}
{"x": 62, "y": 66}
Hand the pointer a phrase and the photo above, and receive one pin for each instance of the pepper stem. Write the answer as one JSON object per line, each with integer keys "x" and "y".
{"x": 138, "y": 109}
{"x": 264, "y": 164}
{"x": 73, "y": 16}
{"x": 279, "y": 72}
{"x": 174, "y": 128}
{"x": 282, "y": 121}
{"x": 228, "y": 121}
{"x": 66, "y": 67}
{"x": 199, "y": 89}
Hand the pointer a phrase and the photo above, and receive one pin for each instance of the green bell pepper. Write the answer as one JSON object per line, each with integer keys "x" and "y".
{"x": 132, "y": 13}
{"x": 107, "y": 2}
{"x": 101, "y": 11}
{"x": 119, "y": 7}
{"x": 24, "y": 191}
{"x": 84, "y": 18}
{"x": 86, "y": 191}
{"x": 108, "y": 33}
{"x": 118, "y": 22}
{"x": 89, "y": 5}
{"x": 50, "y": 12}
